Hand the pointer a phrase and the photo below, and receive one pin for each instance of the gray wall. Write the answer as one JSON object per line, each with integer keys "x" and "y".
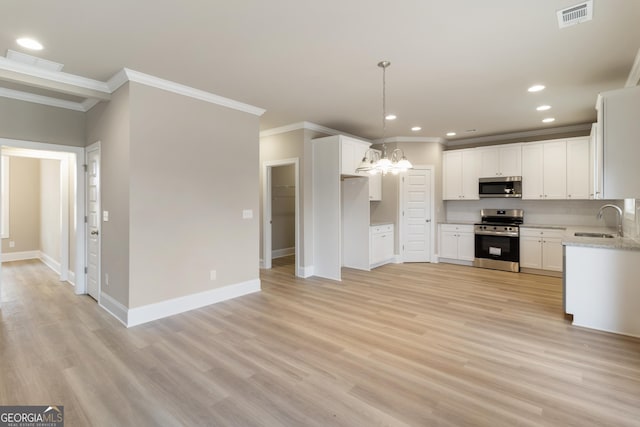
{"x": 24, "y": 205}
{"x": 34, "y": 122}
{"x": 109, "y": 124}
{"x": 193, "y": 170}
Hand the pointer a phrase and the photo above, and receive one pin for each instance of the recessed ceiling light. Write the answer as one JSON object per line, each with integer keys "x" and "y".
{"x": 416, "y": 128}
{"x": 536, "y": 88}
{"x": 544, "y": 108}
{"x": 548, "y": 120}
{"x": 391, "y": 117}
{"x": 28, "y": 43}
{"x": 451, "y": 134}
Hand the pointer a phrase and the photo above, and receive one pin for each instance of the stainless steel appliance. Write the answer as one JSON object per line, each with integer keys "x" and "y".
{"x": 497, "y": 239}
{"x": 499, "y": 187}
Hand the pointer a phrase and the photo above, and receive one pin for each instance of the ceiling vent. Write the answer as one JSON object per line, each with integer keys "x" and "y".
{"x": 576, "y": 14}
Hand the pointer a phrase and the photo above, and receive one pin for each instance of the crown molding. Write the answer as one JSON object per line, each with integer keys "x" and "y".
{"x": 634, "y": 74}
{"x": 411, "y": 139}
{"x": 180, "y": 89}
{"x": 53, "y": 80}
{"x": 307, "y": 126}
{"x": 517, "y": 135}
{"x": 40, "y": 99}
{"x": 94, "y": 90}
{"x": 117, "y": 80}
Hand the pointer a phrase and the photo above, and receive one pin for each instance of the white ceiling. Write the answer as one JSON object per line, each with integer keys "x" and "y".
{"x": 456, "y": 64}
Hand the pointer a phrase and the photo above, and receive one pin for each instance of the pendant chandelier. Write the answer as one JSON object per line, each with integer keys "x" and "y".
{"x": 373, "y": 162}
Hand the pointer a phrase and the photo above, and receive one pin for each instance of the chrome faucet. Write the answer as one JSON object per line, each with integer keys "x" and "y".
{"x": 619, "y": 217}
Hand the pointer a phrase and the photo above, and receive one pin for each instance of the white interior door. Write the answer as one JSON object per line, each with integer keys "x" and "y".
{"x": 93, "y": 221}
{"x": 416, "y": 215}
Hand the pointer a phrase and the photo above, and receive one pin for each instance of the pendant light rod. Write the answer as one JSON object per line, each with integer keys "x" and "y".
{"x": 384, "y": 65}
{"x": 373, "y": 162}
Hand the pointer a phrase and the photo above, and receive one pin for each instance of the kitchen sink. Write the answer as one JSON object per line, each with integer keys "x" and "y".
{"x": 597, "y": 235}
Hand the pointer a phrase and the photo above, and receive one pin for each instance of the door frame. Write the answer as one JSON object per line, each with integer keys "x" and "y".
{"x": 16, "y": 145}
{"x": 432, "y": 237}
{"x": 96, "y": 146}
{"x": 267, "y": 167}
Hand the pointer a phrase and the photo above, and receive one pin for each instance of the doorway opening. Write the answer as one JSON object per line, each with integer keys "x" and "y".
{"x": 281, "y": 218}
{"x": 56, "y": 212}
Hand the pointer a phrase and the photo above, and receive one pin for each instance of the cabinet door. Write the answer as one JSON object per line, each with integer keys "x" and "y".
{"x": 466, "y": 246}
{"x": 489, "y": 162}
{"x": 555, "y": 170}
{"x": 510, "y": 160}
{"x": 579, "y": 169}
{"x": 347, "y": 153}
{"x": 448, "y": 244}
{"x": 469, "y": 175}
{"x": 359, "y": 151}
{"x": 596, "y": 161}
{"x": 532, "y": 168}
{"x": 531, "y": 252}
{"x": 377, "y": 248}
{"x": 387, "y": 246}
{"x": 375, "y": 187}
{"x": 452, "y": 175}
{"x": 552, "y": 254}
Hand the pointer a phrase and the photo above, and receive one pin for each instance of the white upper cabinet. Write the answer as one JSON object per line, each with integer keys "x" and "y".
{"x": 578, "y": 169}
{"x": 544, "y": 170}
{"x": 351, "y": 153}
{"x": 502, "y": 160}
{"x": 619, "y": 129}
{"x": 595, "y": 163}
{"x": 375, "y": 187}
{"x": 460, "y": 171}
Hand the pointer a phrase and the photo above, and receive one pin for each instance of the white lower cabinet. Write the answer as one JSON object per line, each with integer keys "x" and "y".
{"x": 380, "y": 244}
{"x": 457, "y": 242}
{"x": 541, "y": 249}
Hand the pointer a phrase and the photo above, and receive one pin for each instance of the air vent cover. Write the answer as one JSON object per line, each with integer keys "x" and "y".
{"x": 576, "y": 14}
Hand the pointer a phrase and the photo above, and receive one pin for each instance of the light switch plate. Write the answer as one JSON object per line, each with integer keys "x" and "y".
{"x": 105, "y": 216}
{"x": 247, "y": 214}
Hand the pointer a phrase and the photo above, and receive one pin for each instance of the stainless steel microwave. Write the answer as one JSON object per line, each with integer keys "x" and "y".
{"x": 501, "y": 186}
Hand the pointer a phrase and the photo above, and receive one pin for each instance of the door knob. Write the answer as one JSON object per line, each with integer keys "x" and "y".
{"x": 94, "y": 233}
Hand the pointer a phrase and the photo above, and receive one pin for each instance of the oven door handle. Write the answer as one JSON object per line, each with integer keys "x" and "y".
{"x": 497, "y": 233}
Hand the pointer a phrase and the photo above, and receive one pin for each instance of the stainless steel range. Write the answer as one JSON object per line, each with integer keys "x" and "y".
{"x": 497, "y": 239}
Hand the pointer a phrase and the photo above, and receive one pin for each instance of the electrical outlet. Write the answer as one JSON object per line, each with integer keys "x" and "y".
{"x": 247, "y": 214}
{"x": 106, "y": 279}
{"x": 212, "y": 275}
{"x": 12, "y": 244}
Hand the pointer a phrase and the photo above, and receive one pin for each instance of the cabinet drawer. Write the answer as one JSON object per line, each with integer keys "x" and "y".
{"x": 385, "y": 228}
{"x": 541, "y": 232}
{"x": 462, "y": 228}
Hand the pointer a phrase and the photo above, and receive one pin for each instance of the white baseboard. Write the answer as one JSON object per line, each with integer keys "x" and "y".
{"x": 20, "y": 256}
{"x": 456, "y": 261}
{"x": 147, "y": 313}
{"x": 305, "y": 272}
{"x": 114, "y": 308}
{"x": 397, "y": 259}
{"x": 279, "y": 253}
{"x": 50, "y": 262}
{"x": 71, "y": 278}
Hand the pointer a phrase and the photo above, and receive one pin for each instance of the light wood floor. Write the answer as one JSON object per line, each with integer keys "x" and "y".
{"x": 413, "y": 344}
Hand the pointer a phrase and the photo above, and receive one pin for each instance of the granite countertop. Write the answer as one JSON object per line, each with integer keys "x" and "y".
{"x": 459, "y": 222}
{"x": 624, "y": 243}
{"x": 547, "y": 226}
